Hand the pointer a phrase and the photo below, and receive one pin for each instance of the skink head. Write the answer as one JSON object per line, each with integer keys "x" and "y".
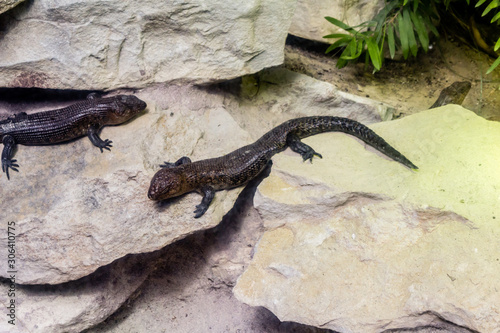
{"x": 125, "y": 107}
{"x": 166, "y": 183}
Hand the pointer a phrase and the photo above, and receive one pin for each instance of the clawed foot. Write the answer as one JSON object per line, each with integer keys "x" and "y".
{"x": 167, "y": 165}
{"x": 180, "y": 161}
{"x": 6, "y": 164}
{"x": 200, "y": 210}
{"x": 106, "y": 144}
{"x": 208, "y": 195}
{"x": 301, "y": 148}
{"x": 309, "y": 155}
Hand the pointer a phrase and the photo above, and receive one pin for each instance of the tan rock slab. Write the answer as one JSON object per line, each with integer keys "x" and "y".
{"x": 5, "y": 5}
{"x": 309, "y": 18}
{"x": 76, "y": 209}
{"x": 74, "y": 306}
{"x": 118, "y": 44}
{"x": 359, "y": 243}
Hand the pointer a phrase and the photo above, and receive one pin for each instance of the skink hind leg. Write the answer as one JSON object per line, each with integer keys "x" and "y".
{"x": 301, "y": 148}
{"x": 208, "y": 195}
{"x": 97, "y": 141}
{"x": 182, "y": 160}
{"x": 7, "y": 161}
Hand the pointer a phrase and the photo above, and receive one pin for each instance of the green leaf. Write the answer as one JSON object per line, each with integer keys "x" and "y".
{"x": 353, "y": 50}
{"x": 412, "y": 42}
{"x": 415, "y": 5}
{"x": 405, "y": 2}
{"x": 365, "y": 24}
{"x": 495, "y": 18}
{"x": 431, "y": 26}
{"x": 374, "y": 52}
{"x": 335, "y": 36}
{"x": 353, "y": 47}
{"x": 341, "y": 63}
{"x": 339, "y": 43}
{"x": 403, "y": 36}
{"x": 345, "y": 55}
{"x": 380, "y": 18}
{"x": 390, "y": 40}
{"x": 423, "y": 36}
{"x": 381, "y": 45}
{"x": 340, "y": 24}
{"x": 480, "y": 2}
{"x": 493, "y": 4}
{"x": 493, "y": 66}
{"x": 497, "y": 45}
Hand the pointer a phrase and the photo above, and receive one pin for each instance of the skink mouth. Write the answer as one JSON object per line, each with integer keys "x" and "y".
{"x": 155, "y": 194}
{"x": 152, "y": 195}
{"x": 142, "y": 105}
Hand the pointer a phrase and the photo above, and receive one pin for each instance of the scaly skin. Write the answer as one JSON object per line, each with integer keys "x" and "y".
{"x": 243, "y": 164}
{"x": 55, "y": 126}
{"x": 454, "y": 94}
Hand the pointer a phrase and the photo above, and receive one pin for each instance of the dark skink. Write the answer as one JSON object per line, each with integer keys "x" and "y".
{"x": 243, "y": 164}
{"x": 454, "y": 94}
{"x": 55, "y": 126}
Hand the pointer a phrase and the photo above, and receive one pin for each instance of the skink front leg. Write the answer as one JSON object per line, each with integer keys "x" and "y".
{"x": 208, "y": 195}
{"x": 7, "y": 162}
{"x": 182, "y": 160}
{"x": 97, "y": 141}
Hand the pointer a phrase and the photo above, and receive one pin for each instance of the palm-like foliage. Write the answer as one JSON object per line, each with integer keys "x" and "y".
{"x": 402, "y": 24}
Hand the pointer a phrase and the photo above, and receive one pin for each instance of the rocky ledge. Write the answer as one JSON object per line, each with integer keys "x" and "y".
{"x": 359, "y": 243}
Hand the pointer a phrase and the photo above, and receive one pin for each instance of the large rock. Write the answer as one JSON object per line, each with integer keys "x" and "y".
{"x": 76, "y": 209}
{"x": 77, "y": 305}
{"x": 108, "y": 44}
{"x": 359, "y": 243}
{"x": 5, "y": 5}
{"x": 54, "y": 220}
{"x": 309, "y": 18}
{"x": 286, "y": 94}
{"x": 87, "y": 209}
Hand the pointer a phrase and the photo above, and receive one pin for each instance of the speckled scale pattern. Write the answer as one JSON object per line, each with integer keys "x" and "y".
{"x": 59, "y": 125}
{"x": 55, "y": 126}
{"x": 307, "y": 126}
{"x": 243, "y": 164}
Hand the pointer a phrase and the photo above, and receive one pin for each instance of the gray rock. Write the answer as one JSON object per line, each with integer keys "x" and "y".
{"x": 358, "y": 243}
{"x": 106, "y": 45}
{"x": 77, "y": 305}
{"x": 77, "y": 213}
{"x": 76, "y": 209}
{"x": 276, "y": 95}
{"x": 309, "y": 18}
{"x": 5, "y": 5}
{"x": 87, "y": 209}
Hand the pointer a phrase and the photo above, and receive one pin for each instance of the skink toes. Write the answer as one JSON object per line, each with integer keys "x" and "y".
{"x": 9, "y": 164}
{"x": 309, "y": 155}
{"x": 106, "y": 144}
{"x": 200, "y": 210}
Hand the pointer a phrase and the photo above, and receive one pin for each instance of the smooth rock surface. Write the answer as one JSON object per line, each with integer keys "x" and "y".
{"x": 191, "y": 290}
{"x": 285, "y": 94}
{"x": 112, "y": 44}
{"x": 76, "y": 209}
{"x": 87, "y": 209}
{"x": 359, "y": 243}
{"x": 5, "y": 5}
{"x": 76, "y": 305}
{"x": 309, "y": 18}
